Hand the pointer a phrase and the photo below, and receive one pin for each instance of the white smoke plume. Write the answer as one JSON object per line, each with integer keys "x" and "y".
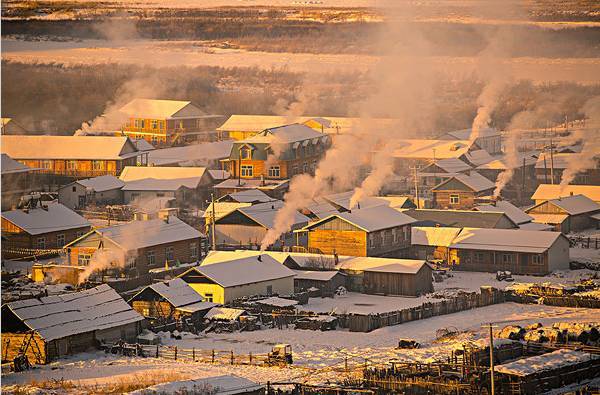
{"x": 102, "y": 259}
{"x": 591, "y": 147}
{"x": 382, "y": 166}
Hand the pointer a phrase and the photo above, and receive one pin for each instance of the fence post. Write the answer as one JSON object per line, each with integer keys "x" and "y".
{"x": 157, "y": 350}
{"x": 232, "y": 357}
{"x": 213, "y": 356}
{"x": 346, "y": 364}
{"x": 194, "y": 353}
{"x": 250, "y": 357}
{"x": 176, "y": 353}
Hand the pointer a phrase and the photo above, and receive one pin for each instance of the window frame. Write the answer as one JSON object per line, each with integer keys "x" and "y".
{"x": 209, "y": 297}
{"x": 150, "y": 257}
{"x": 71, "y": 165}
{"x": 194, "y": 250}
{"x": 41, "y": 243}
{"x": 169, "y": 254}
{"x": 537, "y": 259}
{"x": 454, "y": 198}
{"x": 83, "y": 259}
{"x": 63, "y": 237}
{"x": 154, "y": 123}
{"x": 97, "y": 165}
{"x": 275, "y": 171}
{"x": 245, "y": 153}
{"x": 247, "y": 170}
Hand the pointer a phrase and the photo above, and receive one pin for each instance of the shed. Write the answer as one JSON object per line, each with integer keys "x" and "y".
{"x": 460, "y": 191}
{"x": 403, "y": 277}
{"x": 66, "y": 324}
{"x": 519, "y": 251}
{"x": 170, "y": 300}
{"x": 98, "y": 190}
{"x": 433, "y": 242}
{"x": 222, "y": 282}
{"x": 327, "y": 281}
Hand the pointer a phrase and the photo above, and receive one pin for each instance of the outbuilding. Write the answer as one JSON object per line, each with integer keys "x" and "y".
{"x": 61, "y": 325}
{"x": 98, "y": 190}
{"x": 403, "y": 277}
{"x": 569, "y": 214}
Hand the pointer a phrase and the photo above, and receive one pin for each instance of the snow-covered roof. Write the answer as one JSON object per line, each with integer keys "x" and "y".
{"x": 549, "y": 218}
{"x": 141, "y": 234}
{"x": 342, "y": 199}
{"x": 370, "y": 219}
{"x": 69, "y": 147}
{"x": 549, "y": 192}
{"x": 265, "y": 213}
{"x": 250, "y": 183}
{"x": 228, "y": 273}
{"x": 398, "y": 201}
{"x": 449, "y": 165}
{"x": 574, "y": 205}
{"x": 59, "y": 316}
{"x": 315, "y": 275}
{"x": 284, "y": 134}
{"x": 433, "y": 236}
{"x": 152, "y": 205}
{"x": 478, "y": 157}
{"x": 224, "y": 313}
{"x": 102, "y": 183}
{"x": 176, "y": 291}
{"x": 370, "y": 263}
{"x": 505, "y": 240}
{"x": 218, "y": 175}
{"x": 424, "y": 149}
{"x": 9, "y": 166}
{"x": 217, "y": 385}
{"x": 545, "y": 362}
{"x": 465, "y": 134}
{"x": 248, "y": 196}
{"x": 197, "y": 154}
{"x": 223, "y": 208}
{"x": 517, "y": 215}
{"x": 320, "y": 208}
{"x": 132, "y": 173}
{"x": 154, "y": 184}
{"x": 277, "y": 302}
{"x": 39, "y": 220}
{"x": 403, "y": 266}
{"x": 160, "y": 109}
{"x": 474, "y": 181}
{"x": 500, "y": 163}
{"x": 557, "y": 160}
{"x": 535, "y": 226}
{"x": 458, "y": 218}
{"x": 143, "y": 145}
{"x": 195, "y": 307}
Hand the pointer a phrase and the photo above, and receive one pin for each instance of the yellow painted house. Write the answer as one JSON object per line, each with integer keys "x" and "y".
{"x": 225, "y": 281}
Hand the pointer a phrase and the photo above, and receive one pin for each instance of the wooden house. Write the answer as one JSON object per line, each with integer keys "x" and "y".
{"x": 461, "y": 219}
{"x": 248, "y": 225}
{"x": 190, "y": 186}
{"x": 277, "y": 153}
{"x": 39, "y": 228}
{"x": 545, "y": 192}
{"x": 17, "y": 180}
{"x": 432, "y": 243}
{"x": 341, "y": 201}
{"x": 62, "y": 325}
{"x": 252, "y": 196}
{"x": 568, "y": 214}
{"x": 10, "y": 126}
{"x": 460, "y": 191}
{"x": 74, "y": 156}
{"x": 138, "y": 246}
{"x": 515, "y": 214}
{"x": 373, "y": 231}
{"x": 548, "y": 166}
{"x": 440, "y": 171}
{"x": 100, "y": 190}
{"x": 226, "y": 281}
{"x": 170, "y": 301}
{"x": 163, "y": 122}
{"x": 518, "y": 251}
{"x": 489, "y": 139}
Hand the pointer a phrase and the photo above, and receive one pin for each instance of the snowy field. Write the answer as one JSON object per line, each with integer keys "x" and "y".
{"x": 192, "y": 54}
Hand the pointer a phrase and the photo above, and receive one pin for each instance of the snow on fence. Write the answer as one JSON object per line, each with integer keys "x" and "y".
{"x": 198, "y": 355}
{"x": 462, "y": 302}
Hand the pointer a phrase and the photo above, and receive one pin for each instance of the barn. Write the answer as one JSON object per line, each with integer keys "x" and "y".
{"x": 403, "y": 277}
{"x": 61, "y": 325}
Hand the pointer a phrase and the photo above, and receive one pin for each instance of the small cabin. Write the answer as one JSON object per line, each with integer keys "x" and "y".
{"x": 568, "y": 214}
{"x": 460, "y": 191}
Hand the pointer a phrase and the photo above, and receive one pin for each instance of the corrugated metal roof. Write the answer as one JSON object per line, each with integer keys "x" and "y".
{"x": 517, "y": 215}
{"x": 55, "y": 317}
{"x": 432, "y": 236}
{"x": 9, "y": 166}
{"x": 176, "y": 291}
{"x": 102, "y": 183}
{"x": 132, "y": 173}
{"x": 38, "y": 220}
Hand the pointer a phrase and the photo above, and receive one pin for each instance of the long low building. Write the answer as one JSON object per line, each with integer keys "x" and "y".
{"x": 56, "y": 326}
{"x": 519, "y": 251}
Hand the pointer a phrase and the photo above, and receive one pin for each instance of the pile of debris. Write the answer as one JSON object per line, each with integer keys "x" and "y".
{"x": 560, "y": 332}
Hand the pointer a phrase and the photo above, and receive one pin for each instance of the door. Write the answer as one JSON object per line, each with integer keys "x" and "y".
{"x": 81, "y": 202}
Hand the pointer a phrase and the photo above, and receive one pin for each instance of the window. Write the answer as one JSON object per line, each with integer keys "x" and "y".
{"x": 154, "y": 140}
{"x": 41, "y": 243}
{"x": 269, "y": 290}
{"x": 246, "y": 153}
{"x": 146, "y": 312}
{"x": 193, "y": 250}
{"x": 84, "y": 259}
{"x": 130, "y": 263}
{"x": 454, "y": 199}
{"x": 479, "y": 257}
{"x": 154, "y": 124}
{"x": 395, "y": 235}
{"x": 46, "y": 164}
{"x": 160, "y": 194}
{"x": 208, "y": 297}
{"x": 97, "y": 165}
{"x": 406, "y": 231}
{"x": 151, "y": 258}
{"x": 169, "y": 254}
{"x": 74, "y": 188}
{"x": 71, "y": 165}
{"x": 135, "y": 196}
{"x": 537, "y": 259}
{"x": 275, "y": 171}
{"x": 507, "y": 258}
{"x": 305, "y": 167}
{"x": 247, "y": 171}
{"x": 142, "y": 123}
{"x": 371, "y": 241}
{"x": 60, "y": 240}
{"x": 163, "y": 124}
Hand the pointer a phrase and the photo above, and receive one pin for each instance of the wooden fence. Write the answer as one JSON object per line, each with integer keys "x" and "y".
{"x": 585, "y": 242}
{"x": 467, "y": 301}
{"x": 199, "y": 355}
{"x": 558, "y": 301}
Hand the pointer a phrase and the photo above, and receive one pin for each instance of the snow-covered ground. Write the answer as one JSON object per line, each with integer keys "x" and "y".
{"x": 314, "y": 352}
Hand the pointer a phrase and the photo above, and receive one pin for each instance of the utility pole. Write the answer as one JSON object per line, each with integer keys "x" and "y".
{"x": 492, "y": 387}
{"x": 212, "y": 222}
{"x": 523, "y": 181}
{"x": 552, "y": 161}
